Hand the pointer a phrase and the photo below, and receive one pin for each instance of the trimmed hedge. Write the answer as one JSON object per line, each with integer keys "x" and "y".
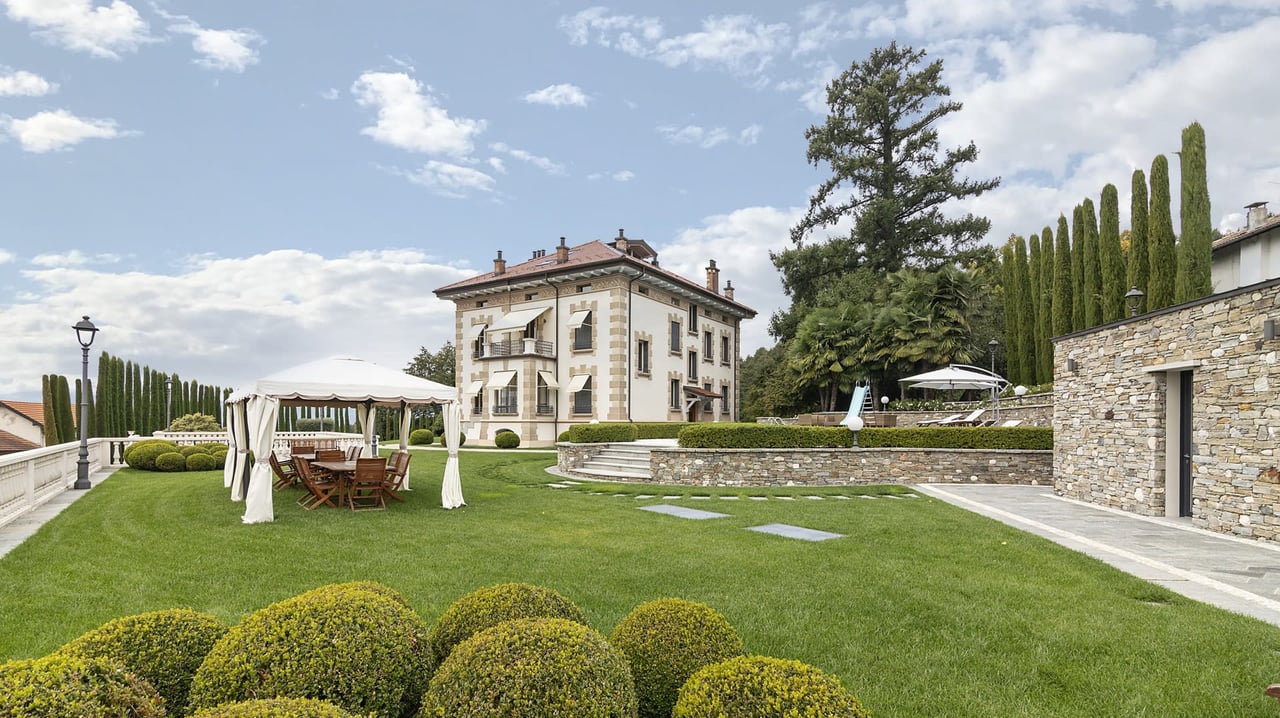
{"x": 142, "y": 455}
{"x": 171, "y": 461}
{"x": 313, "y": 424}
{"x": 163, "y": 647}
{"x": 202, "y": 462}
{"x": 356, "y": 647}
{"x": 763, "y": 436}
{"x": 276, "y": 708}
{"x": 602, "y": 433}
{"x": 489, "y": 606}
{"x": 507, "y": 440}
{"x": 667, "y": 641}
{"x": 533, "y": 667}
{"x": 421, "y": 437}
{"x": 659, "y": 429}
{"x": 764, "y": 687}
{"x": 61, "y": 685}
{"x": 959, "y": 437}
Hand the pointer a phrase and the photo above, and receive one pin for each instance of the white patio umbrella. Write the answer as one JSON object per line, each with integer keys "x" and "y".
{"x": 451, "y": 490}
{"x": 956, "y": 376}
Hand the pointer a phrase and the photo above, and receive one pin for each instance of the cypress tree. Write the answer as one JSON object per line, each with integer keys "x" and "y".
{"x": 1077, "y": 268}
{"x": 1195, "y": 247}
{"x": 1033, "y": 302}
{"x": 1160, "y": 242}
{"x": 1044, "y": 371}
{"x": 1139, "y": 274}
{"x": 1024, "y": 360}
{"x": 1112, "y": 257}
{"x": 1092, "y": 267}
{"x": 100, "y": 421}
{"x": 1063, "y": 304}
{"x": 92, "y": 409}
{"x": 50, "y": 418}
{"x": 62, "y": 405}
{"x": 147, "y": 416}
{"x": 121, "y": 399}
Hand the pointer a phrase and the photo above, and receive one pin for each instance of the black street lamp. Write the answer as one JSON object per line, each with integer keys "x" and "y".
{"x": 1134, "y": 298}
{"x": 995, "y": 391}
{"x": 168, "y": 401}
{"x": 991, "y": 345}
{"x": 85, "y": 332}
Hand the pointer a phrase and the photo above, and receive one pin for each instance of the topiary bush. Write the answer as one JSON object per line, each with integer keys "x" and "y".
{"x": 667, "y": 641}
{"x": 764, "y": 436}
{"x": 764, "y": 687}
{"x": 492, "y": 605}
{"x": 959, "y": 437}
{"x": 220, "y": 459}
{"x": 163, "y": 647}
{"x": 533, "y": 667}
{"x": 563, "y": 438}
{"x": 201, "y": 462}
{"x": 352, "y": 645}
{"x": 275, "y": 708}
{"x": 171, "y": 461}
{"x": 421, "y": 437}
{"x": 195, "y": 422}
{"x": 602, "y": 433}
{"x": 142, "y": 454}
{"x": 313, "y": 424}
{"x": 195, "y": 449}
{"x": 507, "y": 440}
{"x": 60, "y": 685}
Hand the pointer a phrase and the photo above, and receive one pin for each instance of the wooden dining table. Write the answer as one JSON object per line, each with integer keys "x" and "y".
{"x": 342, "y": 470}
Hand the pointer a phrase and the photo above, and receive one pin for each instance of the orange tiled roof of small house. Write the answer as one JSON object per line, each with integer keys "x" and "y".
{"x": 10, "y": 443}
{"x": 33, "y": 410}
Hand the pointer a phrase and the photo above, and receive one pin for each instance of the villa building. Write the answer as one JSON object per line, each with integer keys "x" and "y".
{"x": 1248, "y": 255}
{"x": 594, "y": 332}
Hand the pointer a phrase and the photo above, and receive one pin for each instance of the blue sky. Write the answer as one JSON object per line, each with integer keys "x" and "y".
{"x": 229, "y": 188}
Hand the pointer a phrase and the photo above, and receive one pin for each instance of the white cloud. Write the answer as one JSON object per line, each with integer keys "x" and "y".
{"x": 73, "y": 258}
{"x": 1190, "y": 6}
{"x": 542, "y": 163}
{"x": 6, "y": 256}
{"x": 330, "y": 94}
{"x": 411, "y": 120}
{"x": 707, "y": 138}
{"x": 618, "y": 176}
{"x": 57, "y": 130}
{"x": 624, "y": 31}
{"x": 558, "y": 96}
{"x": 228, "y": 321}
{"x": 497, "y": 164}
{"x": 25, "y": 83}
{"x": 942, "y": 18}
{"x": 104, "y": 30}
{"x": 449, "y": 180}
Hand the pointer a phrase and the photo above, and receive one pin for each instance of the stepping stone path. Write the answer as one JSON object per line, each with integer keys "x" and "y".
{"x": 683, "y": 512}
{"x": 795, "y": 532}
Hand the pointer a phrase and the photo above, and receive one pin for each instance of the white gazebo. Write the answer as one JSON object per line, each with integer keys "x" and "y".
{"x": 337, "y": 381}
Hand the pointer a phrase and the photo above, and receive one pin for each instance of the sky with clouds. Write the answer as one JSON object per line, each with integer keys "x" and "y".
{"x": 230, "y": 188}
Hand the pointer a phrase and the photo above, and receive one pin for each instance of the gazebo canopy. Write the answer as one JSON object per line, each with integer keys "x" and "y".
{"x": 336, "y": 381}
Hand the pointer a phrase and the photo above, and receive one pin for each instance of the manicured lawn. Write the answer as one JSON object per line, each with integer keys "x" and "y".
{"x": 922, "y": 610}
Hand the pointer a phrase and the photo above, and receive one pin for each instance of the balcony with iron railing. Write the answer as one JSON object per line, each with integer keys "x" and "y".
{"x": 517, "y": 347}
{"x": 506, "y": 409}
{"x": 546, "y": 410}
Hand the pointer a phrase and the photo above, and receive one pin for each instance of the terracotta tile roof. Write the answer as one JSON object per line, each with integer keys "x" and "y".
{"x": 1268, "y": 224}
{"x": 33, "y": 410}
{"x": 583, "y": 256}
{"x": 10, "y": 443}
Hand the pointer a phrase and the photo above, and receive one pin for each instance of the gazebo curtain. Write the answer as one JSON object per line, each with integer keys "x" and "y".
{"x": 451, "y": 489}
{"x": 262, "y": 411}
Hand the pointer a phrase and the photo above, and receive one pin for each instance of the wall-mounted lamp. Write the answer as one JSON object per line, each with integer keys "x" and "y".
{"x": 1072, "y": 366}
{"x": 1134, "y": 299}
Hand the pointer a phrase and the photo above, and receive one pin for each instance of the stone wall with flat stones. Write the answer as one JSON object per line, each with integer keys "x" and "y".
{"x": 1110, "y": 412}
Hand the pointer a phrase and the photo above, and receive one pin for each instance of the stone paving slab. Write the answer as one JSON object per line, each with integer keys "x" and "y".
{"x": 683, "y": 512}
{"x": 795, "y": 532}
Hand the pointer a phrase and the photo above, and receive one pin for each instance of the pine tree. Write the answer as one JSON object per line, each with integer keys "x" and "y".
{"x": 1044, "y": 372}
{"x": 1160, "y": 241}
{"x": 1033, "y": 305}
{"x": 1195, "y": 246}
{"x": 1111, "y": 256}
{"x": 1092, "y": 267}
{"x": 1139, "y": 274}
{"x": 1063, "y": 302}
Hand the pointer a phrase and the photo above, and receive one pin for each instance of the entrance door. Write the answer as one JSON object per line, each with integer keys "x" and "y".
{"x": 1185, "y": 446}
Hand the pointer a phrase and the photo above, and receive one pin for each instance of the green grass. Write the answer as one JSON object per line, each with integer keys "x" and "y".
{"x": 923, "y": 610}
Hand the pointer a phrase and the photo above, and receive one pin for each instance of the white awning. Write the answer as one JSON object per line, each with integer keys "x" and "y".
{"x": 474, "y": 331}
{"x": 516, "y": 320}
{"x": 499, "y": 379}
{"x": 475, "y": 387}
{"x": 548, "y": 379}
{"x": 578, "y": 318}
{"x": 577, "y": 383}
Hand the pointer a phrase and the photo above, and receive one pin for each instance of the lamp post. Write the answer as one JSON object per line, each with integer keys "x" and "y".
{"x": 85, "y": 332}
{"x": 1133, "y": 298}
{"x": 991, "y": 347}
{"x": 168, "y": 401}
{"x": 995, "y": 391}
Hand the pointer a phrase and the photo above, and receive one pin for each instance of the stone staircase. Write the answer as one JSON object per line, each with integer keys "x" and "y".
{"x": 624, "y": 462}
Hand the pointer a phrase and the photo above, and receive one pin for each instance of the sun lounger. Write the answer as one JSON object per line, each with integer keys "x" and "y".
{"x": 969, "y": 420}
{"x": 930, "y": 422}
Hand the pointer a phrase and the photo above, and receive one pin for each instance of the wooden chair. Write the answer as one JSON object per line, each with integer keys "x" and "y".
{"x": 365, "y": 489}
{"x": 397, "y": 469}
{"x": 331, "y": 455}
{"x": 286, "y": 474}
{"x": 320, "y": 489}
{"x": 298, "y": 448}
{"x": 353, "y": 452}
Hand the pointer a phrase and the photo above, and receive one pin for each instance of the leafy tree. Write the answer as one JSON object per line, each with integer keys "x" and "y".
{"x": 438, "y": 366}
{"x": 1077, "y": 269}
{"x": 1195, "y": 247}
{"x": 1044, "y": 350}
{"x": 1092, "y": 267}
{"x": 1063, "y": 284}
{"x": 881, "y": 144}
{"x": 1139, "y": 274}
{"x": 1113, "y": 274}
{"x": 818, "y": 354}
{"x": 924, "y": 320}
{"x": 195, "y": 422}
{"x": 768, "y": 386}
{"x": 1160, "y": 242}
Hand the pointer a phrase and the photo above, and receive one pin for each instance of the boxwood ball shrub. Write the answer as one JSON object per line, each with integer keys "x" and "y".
{"x": 492, "y": 605}
{"x": 667, "y": 641}
{"x": 765, "y": 687}
{"x": 275, "y": 708}
{"x": 61, "y": 685}
{"x": 193, "y": 449}
{"x": 171, "y": 461}
{"x": 163, "y": 647}
{"x": 532, "y": 667}
{"x": 352, "y": 646}
{"x": 201, "y": 462}
{"x": 507, "y": 440}
{"x": 142, "y": 455}
{"x": 421, "y": 437}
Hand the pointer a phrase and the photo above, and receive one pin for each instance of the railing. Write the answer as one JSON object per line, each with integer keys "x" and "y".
{"x": 546, "y": 410}
{"x": 30, "y": 478}
{"x": 518, "y": 347}
{"x": 280, "y": 442}
{"x": 505, "y": 409}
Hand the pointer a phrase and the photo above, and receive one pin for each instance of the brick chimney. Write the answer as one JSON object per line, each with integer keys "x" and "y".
{"x": 728, "y": 290}
{"x": 713, "y": 277}
{"x": 562, "y": 252}
{"x": 621, "y": 242}
{"x": 499, "y": 264}
{"x": 1257, "y": 214}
